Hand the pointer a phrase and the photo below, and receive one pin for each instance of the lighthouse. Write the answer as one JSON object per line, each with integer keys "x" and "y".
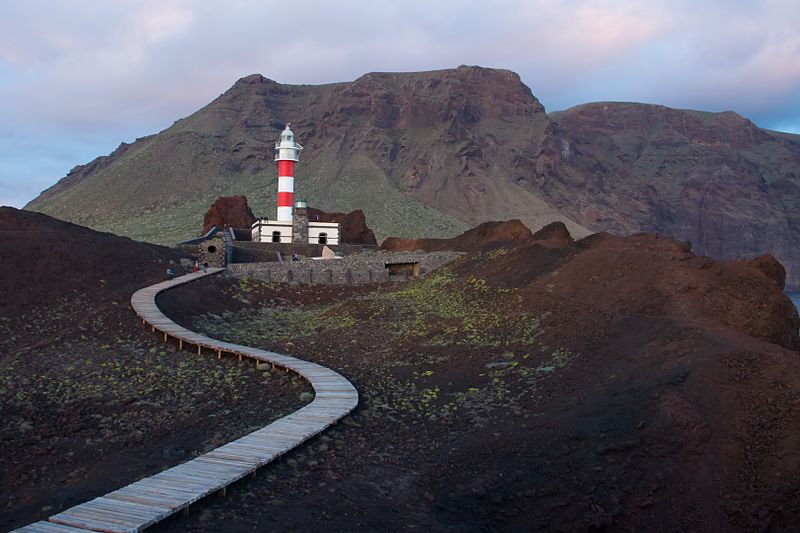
{"x": 292, "y": 225}
{"x": 287, "y": 153}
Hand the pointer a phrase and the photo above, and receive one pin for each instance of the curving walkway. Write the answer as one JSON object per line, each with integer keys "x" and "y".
{"x": 150, "y": 500}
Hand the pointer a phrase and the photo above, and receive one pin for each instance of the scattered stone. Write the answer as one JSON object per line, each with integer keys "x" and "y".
{"x": 306, "y": 396}
{"x": 173, "y": 452}
{"x": 498, "y": 365}
{"x": 348, "y": 421}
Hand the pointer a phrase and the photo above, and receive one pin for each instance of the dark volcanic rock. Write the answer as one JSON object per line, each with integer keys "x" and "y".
{"x": 553, "y": 234}
{"x": 486, "y": 236}
{"x": 650, "y": 275}
{"x": 90, "y": 399}
{"x": 43, "y": 259}
{"x": 771, "y": 267}
{"x": 228, "y": 212}
{"x": 620, "y": 384}
{"x": 353, "y": 227}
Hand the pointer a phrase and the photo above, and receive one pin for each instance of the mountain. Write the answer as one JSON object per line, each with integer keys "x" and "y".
{"x": 715, "y": 179}
{"x": 429, "y": 154}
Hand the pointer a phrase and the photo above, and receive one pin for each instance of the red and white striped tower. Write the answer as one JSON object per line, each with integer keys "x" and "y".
{"x": 286, "y": 153}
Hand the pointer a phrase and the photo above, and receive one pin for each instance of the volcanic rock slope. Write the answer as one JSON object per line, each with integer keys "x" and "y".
{"x": 715, "y": 179}
{"x": 90, "y": 400}
{"x": 432, "y": 153}
{"x": 607, "y": 384}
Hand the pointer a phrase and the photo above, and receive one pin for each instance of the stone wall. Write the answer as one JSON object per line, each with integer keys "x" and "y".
{"x": 212, "y": 252}
{"x": 299, "y": 225}
{"x": 370, "y": 267}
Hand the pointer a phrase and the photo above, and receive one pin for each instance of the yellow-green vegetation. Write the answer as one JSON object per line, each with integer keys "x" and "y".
{"x": 447, "y": 310}
{"x": 268, "y": 323}
{"x": 416, "y": 337}
{"x": 247, "y": 284}
{"x": 442, "y": 309}
{"x": 115, "y": 378}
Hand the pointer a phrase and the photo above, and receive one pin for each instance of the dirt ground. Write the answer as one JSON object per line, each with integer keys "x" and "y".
{"x": 89, "y": 399}
{"x": 609, "y": 384}
{"x": 594, "y": 391}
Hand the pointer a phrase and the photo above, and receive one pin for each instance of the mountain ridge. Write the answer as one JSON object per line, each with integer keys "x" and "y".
{"x": 429, "y": 154}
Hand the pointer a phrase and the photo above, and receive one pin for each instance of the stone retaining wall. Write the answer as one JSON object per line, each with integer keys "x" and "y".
{"x": 370, "y": 267}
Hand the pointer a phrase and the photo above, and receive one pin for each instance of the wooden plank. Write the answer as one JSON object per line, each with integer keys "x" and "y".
{"x": 142, "y": 499}
{"x": 92, "y": 522}
{"x": 48, "y": 527}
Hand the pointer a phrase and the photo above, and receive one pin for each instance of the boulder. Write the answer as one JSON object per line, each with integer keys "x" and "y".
{"x": 770, "y": 267}
{"x": 228, "y": 211}
{"x": 553, "y": 234}
{"x": 482, "y": 238}
{"x": 352, "y": 226}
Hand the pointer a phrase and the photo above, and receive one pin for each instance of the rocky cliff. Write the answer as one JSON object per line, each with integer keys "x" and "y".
{"x": 715, "y": 179}
{"x": 429, "y": 154}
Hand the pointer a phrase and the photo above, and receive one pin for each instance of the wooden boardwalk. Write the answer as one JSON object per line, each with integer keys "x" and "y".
{"x": 146, "y": 502}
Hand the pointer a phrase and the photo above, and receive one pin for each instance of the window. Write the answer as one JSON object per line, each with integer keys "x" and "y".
{"x": 323, "y": 238}
{"x": 406, "y": 270}
{"x": 276, "y": 236}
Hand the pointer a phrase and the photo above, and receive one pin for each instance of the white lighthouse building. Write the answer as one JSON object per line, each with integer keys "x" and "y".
{"x": 291, "y": 224}
{"x": 287, "y": 153}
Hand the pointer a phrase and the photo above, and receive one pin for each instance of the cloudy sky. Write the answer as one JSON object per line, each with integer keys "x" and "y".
{"x": 78, "y": 77}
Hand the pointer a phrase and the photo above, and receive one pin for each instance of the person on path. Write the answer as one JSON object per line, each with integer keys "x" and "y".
{"x": 170, "y": 273}
{"x": 196, "y": 266}
{"x": 205, "y": 267}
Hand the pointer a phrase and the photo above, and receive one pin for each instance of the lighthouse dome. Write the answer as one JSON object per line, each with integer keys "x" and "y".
{"x": 287, "y": 135}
